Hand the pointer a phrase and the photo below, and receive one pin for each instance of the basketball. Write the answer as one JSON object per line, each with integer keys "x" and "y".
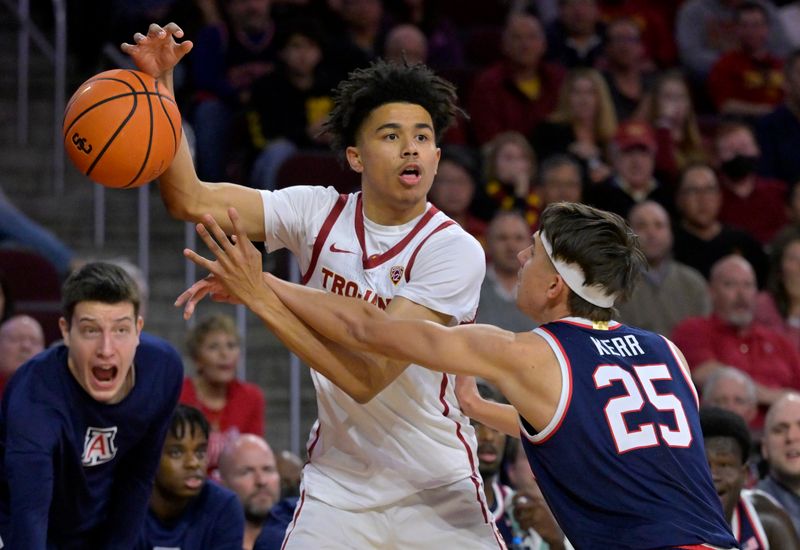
{"x": 122, "y": 128}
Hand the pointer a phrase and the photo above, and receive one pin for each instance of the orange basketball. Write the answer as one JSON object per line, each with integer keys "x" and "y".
{"x": 122, "y": 128}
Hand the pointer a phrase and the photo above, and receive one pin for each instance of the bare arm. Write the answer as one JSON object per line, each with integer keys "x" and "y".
{"x": 238, "y": 278}
{"x": 499, "y": 416}
{"x": 185, "y": 196}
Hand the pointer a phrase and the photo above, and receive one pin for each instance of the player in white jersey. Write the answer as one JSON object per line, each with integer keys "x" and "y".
{"x": 392, "y": 460}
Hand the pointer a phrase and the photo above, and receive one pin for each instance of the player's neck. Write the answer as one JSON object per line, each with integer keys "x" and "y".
{"x": 167, "y": 507}
{"x": 396, "y": 214}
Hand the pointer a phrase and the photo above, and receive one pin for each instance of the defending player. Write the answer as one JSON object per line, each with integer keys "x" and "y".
{"x": 392, "y": 458}
{"x": 82, "y": 424}
{"x": 607, "y": 413}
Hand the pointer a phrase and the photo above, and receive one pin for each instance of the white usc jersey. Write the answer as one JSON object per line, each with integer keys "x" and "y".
{"x": 412, "y": 436}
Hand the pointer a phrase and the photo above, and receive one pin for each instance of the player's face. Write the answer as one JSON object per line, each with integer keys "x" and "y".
{"x": 781, "y": 443}
{"x": 217, "y": 357}
{"x": 254, "y": 478}
{"x": 397, "y": 156}
{"x": 727, "y": 471}
{"x": 102, "y": 340}
{"x": 535, "y": 275}
{"x": 182, "y": 470}
{"x": 491, "y": 444}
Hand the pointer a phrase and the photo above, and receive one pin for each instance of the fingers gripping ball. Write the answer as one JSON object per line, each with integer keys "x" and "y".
{"x": 122, "y": 128}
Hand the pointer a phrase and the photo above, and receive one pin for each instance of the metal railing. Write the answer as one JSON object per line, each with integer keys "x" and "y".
{"x": 56, "y": 53}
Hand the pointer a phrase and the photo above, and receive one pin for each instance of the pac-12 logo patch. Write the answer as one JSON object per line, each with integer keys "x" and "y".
{"x": 98, "y": 446}
{"x": 396, "y": 273}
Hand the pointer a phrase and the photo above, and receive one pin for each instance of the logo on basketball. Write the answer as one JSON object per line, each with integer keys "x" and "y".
{"x": 396, "y": 273}
{"x": 80, "y": 143}
{"x": 98, "y": 446}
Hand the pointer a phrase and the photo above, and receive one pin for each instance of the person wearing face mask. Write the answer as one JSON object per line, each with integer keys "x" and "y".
{"x": 749, "y": 201}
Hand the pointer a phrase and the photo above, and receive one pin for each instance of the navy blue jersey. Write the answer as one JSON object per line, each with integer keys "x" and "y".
{"x": 274, "y": 528}
{"x": 622, "y": 463}
{"x": 74, "y": 472}
{"x": 214, "y": 519}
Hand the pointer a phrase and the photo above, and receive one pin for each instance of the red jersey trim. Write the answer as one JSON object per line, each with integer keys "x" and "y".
{"x": 585, "y": 323}
{"x": 294, "y": 518}
{"x": 562, "y": 357}
{"x": 474, "y": 476}
{"x": 377, "y": 259}
{"x": 322, "y": 236}
{"x": 410, "y": 264}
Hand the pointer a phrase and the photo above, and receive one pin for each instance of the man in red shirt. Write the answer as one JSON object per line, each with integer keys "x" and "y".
{"x": 521, "y": 90}
{"x": 730, "y": 337}
{"x": 749, "y": 202}
{"x": 748, "y": 81}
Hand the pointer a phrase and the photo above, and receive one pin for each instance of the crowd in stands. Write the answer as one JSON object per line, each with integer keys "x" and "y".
{"x": 682, "y": 117}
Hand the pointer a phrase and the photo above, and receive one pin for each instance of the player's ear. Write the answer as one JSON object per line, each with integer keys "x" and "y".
{"x": 556, "y": 286}
{"x": 354, "y": 159}
{"x": 63, "y": 326}
{"x": 139, "y": 324}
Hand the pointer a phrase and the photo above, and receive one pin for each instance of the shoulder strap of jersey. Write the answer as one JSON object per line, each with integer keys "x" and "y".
{"x": 322, "y": 236}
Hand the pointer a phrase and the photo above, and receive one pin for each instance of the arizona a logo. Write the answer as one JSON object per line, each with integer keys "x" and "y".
{"x": 98, "y": 446}
{"x": 396, "y": 273}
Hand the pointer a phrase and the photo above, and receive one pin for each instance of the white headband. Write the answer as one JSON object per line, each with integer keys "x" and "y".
{"x": 576, "y": 280}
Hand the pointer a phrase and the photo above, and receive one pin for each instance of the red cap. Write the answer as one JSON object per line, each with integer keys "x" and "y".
{"x": 634, "y": 133}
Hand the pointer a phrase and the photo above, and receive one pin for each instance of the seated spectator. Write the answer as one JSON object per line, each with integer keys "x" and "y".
{"x": 445, "y": 50}
{"x": 290, "y": 105}
{"x": 575, "y": 38}
{"x": 779, "y": 448}
{"x": 747, "y": 81}
{"x": 656, "y": 25}
{"x": 406, "y": 44}
{"x": 454, "y": 186}
{"x": 626, "y": 67}
{"x": 559, "y": 181}
{"x": 750, "y": 202}
{"x": 83, "y": 423}
{"x": 16, "y": 228}
{"x": 733, "y": 390}
{"x": 669, "y": 291}
{"x": 731, "y": 337}
{"x": 490, "y": 450}
{"x": 529, "y": 517}
{"x": 247, "y": 467}
{"x": 228, "y": 58}
{"x": 186, "y": 511}
{"x": 509, "y": 165}
{"x": 668, "y": 108}
{"x": 362, "y": 29}
{"x": 507, "y": 236}
{"x": 582, "y": 125}
{"x": 230, "y": 405}
{"x": 779, "y": 304}
{"x": 520, "y": 91}
{"x": 779, "y": 132}
{"x": 290, "y": 468}
{"x": 705, "y": 29}
{"x": 700, "y": 238}
{"x": 21, "y": 337}
{"x": 757, "y": 520}
{"x": 633, "y": 153}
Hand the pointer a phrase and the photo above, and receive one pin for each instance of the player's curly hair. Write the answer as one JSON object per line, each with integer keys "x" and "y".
{"x": 602, "y": 244}
{"x": 717, "y": 422}
{"x": 382, "y": 82}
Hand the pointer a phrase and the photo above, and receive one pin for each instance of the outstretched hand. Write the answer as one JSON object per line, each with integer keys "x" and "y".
{"x": 236, "y": 275}
{"x": 157, "y": 52}
{"x": 466, "y": 390}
